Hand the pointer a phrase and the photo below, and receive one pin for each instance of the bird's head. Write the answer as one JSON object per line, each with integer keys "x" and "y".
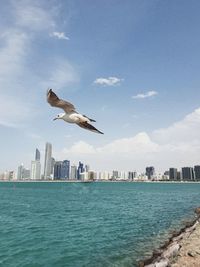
{"x": 59, "y": 116}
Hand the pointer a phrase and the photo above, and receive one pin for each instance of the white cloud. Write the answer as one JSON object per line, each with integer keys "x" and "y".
{"x": 177, "y": 145}
{"x": 145, "y": 95}
{"x": 32, "y": 16}
{"x": 186, "y": 130}
{"x": 59, "y": 35}
{"x": 110, "y": 81}
{"x": 59, "y": 75}
{"x": 80, "y": 147}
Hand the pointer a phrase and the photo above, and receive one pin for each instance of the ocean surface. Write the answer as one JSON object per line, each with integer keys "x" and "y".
{"x": 89, "y": 224}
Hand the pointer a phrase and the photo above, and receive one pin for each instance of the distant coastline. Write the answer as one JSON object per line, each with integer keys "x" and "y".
{"x": 98, "y": 181}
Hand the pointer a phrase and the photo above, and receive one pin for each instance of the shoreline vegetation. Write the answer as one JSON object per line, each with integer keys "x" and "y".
{"x": 181, "y": 249}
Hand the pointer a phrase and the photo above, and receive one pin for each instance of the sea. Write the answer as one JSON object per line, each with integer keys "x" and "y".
{"x": 99, "y": 224}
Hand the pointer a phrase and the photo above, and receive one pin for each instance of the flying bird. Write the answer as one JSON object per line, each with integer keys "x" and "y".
{"x": 70, "y": 115}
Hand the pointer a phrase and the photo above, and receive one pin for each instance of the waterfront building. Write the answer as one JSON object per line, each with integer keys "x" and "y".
{"x": 65, "y": 169}
{"x": 23, "y": 173}
{"x": 115, "y": 175}
{"x": 179, "y": 176}
{"x": 197, "y": 172}
{"x": 48, "y": 162}
{"x": 20, "y": 172}
{"x": 187, "y": 174}
{"x": 52, "y": 165}
{"x": 80, "y": 170}
{"x": 92, "y": 175}
{"x": 37, "y": 155}
{"x": 35, "y": 170}
{"x": 150, "y": 172}
{"x": 27, "y": 174}
{"x": 57, "y": 170}
{"x": 132, "y": 175}
{"x": 173, "y": 174}
{"x": 104, "y": 175}
{"x": 87, "y": 168}
{"x": 73, "y": 174}
{"x": 11, "y": 175}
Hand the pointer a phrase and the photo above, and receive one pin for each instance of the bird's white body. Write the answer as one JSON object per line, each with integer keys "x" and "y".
{"x": 72, "y": 117}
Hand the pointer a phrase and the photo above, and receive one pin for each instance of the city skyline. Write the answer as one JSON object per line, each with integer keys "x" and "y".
{"x": 54, "y": 169}
{"x": 135, "y": 73}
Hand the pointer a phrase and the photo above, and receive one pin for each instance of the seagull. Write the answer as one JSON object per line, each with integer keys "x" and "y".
{"x": 70, "y": 115}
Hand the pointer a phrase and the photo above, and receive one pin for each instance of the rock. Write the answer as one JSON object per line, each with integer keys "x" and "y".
{"x": 171, "y": 251}
{"x": 191, "y": 253}
{"x": 162, "y": 263}
{"x": 197, "y": 210}
{"x": 141, "y": 264}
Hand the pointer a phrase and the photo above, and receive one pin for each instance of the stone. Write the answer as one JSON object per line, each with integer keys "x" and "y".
{"x": 191, "y": 253}
{"x": 197, "y": 210}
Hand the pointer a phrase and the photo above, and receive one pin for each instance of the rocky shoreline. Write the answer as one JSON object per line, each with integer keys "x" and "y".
{"x": 182, "y": 249}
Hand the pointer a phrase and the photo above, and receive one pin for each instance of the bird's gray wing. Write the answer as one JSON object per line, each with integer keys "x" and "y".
{"x": 89, "y": 127}
{"x": 55, "y": 101}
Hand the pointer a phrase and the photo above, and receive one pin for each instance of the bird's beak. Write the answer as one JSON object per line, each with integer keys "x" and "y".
{"x": 55, "y": 119}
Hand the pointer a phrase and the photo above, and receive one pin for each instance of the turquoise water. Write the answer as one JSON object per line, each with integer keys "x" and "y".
{"x": 88, "y": 224}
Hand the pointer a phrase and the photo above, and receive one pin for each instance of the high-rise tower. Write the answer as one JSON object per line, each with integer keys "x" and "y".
{"x": 47, "y": 161}
{"x": 37, "y": 154}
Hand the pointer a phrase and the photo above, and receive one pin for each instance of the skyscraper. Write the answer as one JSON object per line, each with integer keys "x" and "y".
{"x": 65, "y": 169}
{"x": 80, "y": 170}
{"x": 37, "y": 154}
{"x": 73, "y": 175}
{"x": 48, "y": 161}
{"x": 197, "y": 172}
{"x": 52, "y": 165}
{"x": 173, "y": 174}
{"x": 20, "y": 172}
{"x": 57, "y": 170}
{"x": 187, "y": 174}
{"x": 35, "y": 170}
{"x": 150, "y": 172}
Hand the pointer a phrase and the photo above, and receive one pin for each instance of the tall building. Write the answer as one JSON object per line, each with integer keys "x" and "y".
{"x": 73, "y": 174}
{"x": 87, "y": 168}
{"x": 52, "y": 165}
{"x": 197, "y": 172}
{"x": 26, "y": 174}
{"x": 115, "y": 175}
{"x": 35, "y": 170}
{"x": 20, "y": 172}
{"x": 132, "y": 175}
{"x": 37, "y": 154}
{"x": 48, "y": 162}
{"x": 173, "y": 174}
{"x": 80, "y": 170}
{"x": 57, "y": 170}
{"x": 187, "y": 174}
{"x": 150, "y": 172}
{"x": 65, "y": 169}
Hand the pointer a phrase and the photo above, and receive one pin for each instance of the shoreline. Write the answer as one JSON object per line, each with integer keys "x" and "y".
{"x": 181, "y": 249}
{"x": 101, "y": 181}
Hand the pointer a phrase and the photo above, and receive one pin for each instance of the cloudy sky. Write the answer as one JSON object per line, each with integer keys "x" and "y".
{"x": 132, "y": 65}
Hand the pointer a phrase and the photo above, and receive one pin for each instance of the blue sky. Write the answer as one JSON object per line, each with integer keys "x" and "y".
{"x": 131, "y": 65}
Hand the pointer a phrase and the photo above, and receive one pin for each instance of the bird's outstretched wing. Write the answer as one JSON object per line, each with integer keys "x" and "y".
{"x": 54, "y": 101}
{"x": 89, "y": 127}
